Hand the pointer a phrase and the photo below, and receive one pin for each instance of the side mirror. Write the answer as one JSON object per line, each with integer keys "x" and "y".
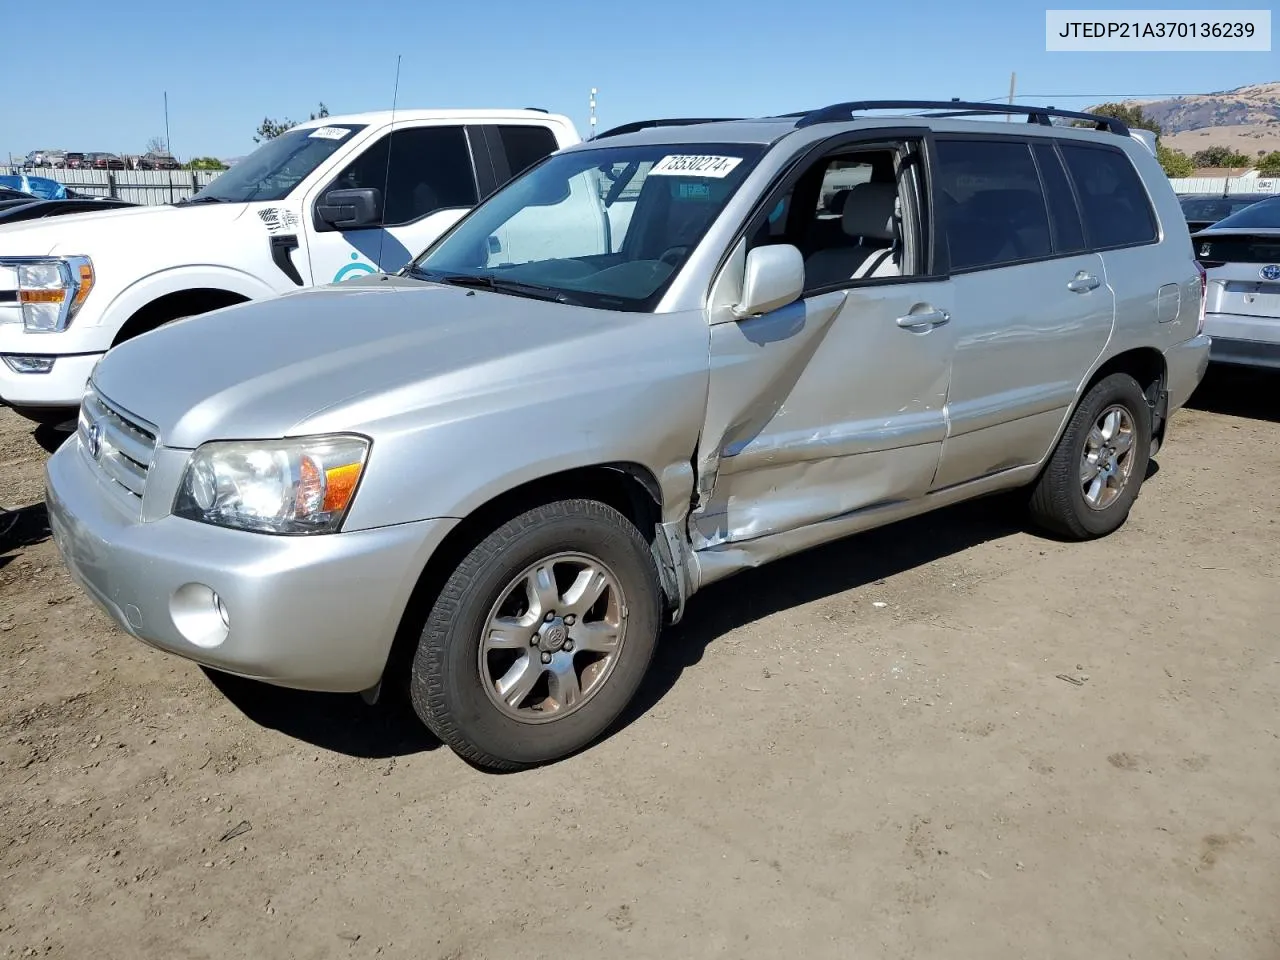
{"x": 773, "y": 278}
{"x": 348, "y": 209}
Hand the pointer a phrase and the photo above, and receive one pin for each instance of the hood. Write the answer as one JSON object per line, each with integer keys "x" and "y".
{"x": 86, "y": 233}
{"x": 358, "y": 352}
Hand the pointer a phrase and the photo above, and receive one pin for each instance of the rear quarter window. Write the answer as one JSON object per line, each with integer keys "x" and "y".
{"x": 1113, "y": 201}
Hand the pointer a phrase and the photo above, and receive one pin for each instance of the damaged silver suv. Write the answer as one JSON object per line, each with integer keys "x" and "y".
{"x": 676, "y": 351}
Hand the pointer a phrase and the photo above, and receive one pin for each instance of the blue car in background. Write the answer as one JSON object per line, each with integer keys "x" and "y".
{"x": 40, "y": 187}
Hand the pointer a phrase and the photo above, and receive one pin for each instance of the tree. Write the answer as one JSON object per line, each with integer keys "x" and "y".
{"x": 1219, "y": 157}
{"x": 206, "y": 163}
{"x": 1174, "y": 162}
{"x": 157, "y": 145}
{"x": 1131, "y": 114}
{"x": 269, "y": 129}
{"x": 1269, "y": 166}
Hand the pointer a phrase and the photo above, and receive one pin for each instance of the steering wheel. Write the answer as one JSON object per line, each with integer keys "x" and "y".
{"x": 672, "y": 254}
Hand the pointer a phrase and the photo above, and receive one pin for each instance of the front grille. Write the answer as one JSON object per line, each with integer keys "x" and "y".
{"x": 120, "y": 445}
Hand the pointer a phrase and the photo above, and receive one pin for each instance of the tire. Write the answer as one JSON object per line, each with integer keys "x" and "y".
{"x": 60, "y": 418}
{"x": 1060, "y": 500}
{"x": 455, "y": 678}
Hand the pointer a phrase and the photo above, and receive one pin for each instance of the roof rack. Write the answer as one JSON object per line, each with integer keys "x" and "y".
{"x": 670, "y": 122}
{"x": 960, "y": 108}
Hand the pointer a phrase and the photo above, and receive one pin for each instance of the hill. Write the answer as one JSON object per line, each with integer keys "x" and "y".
{"x": 1246, "y": 120}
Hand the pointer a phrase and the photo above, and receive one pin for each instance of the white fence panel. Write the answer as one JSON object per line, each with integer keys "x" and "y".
{"x": 134, "y": 186}
{"x": 1221, "y": 185}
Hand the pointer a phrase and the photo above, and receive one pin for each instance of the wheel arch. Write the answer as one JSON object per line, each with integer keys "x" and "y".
{"x": 1148, "y": 367}
{"x": 630, "y": 488}
{"x": 173, "y": 306}
{"x": 148, "y": 298}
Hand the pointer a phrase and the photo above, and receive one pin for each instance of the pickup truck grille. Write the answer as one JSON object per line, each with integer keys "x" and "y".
{"x": 121, "y": 446}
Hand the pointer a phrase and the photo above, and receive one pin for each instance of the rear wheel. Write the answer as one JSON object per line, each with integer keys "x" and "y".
{"x": 540, "y": 637}
{"x": 1097, "y": 469}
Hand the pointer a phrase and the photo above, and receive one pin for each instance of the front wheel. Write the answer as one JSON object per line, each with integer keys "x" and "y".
{"x": 60, "y": 418}
{"x": 540, "y": 638}
{"x": 1097, "y": 469}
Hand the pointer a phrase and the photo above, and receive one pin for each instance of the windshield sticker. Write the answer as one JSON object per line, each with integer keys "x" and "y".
{"x": 693, "y": 191}
{"x": 329, "y": 133}
{"x": 694, "y": 165}
{"x": 276, "y": 219}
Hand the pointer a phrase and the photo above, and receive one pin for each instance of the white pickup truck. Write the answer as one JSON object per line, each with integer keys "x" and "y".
{"x": 325, "y": 201}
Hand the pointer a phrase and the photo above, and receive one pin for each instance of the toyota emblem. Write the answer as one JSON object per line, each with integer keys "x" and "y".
{"x": 1270, "y": 272}
{"x": 95, "y": 440}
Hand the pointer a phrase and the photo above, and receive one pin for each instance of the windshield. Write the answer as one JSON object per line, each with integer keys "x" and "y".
{"x": 607, "y": 227}
{"x": 1264, "y": 213}
{"x": 275, "y": 168}
{"x": 1214, "y": 208}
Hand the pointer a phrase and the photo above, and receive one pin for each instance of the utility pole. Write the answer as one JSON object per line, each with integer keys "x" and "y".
{"x": 592, "y": 121}
{"x": 167, "y": 149}
{"x": 1013, "y": 83}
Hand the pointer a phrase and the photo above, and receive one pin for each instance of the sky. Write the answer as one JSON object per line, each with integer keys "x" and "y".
{"x": 227, "y": 65}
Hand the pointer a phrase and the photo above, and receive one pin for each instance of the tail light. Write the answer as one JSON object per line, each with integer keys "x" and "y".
{"x": 1204, "y": 294}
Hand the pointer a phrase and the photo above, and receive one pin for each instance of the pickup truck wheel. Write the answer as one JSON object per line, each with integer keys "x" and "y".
{"x": 60, "y": 418}
{"x": 1097, "y": 469}
{"x": 540, "y": 637}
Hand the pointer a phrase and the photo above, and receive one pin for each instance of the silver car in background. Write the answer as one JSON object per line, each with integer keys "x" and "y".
{"x": 666, "y": 355}
{"x": 1241, "y": 257}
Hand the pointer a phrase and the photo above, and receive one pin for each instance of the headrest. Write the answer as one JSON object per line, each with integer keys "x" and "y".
{"x": 869, "y": 209}
{"x": 837, "y": 201}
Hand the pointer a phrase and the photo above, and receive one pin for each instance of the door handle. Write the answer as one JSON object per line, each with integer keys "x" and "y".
{"x": 1083, "y": 283}
{"x": 928, "y": 318}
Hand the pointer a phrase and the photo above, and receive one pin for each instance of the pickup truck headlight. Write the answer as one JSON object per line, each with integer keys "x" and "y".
{"x": 289, "y": 487}
{"x": 50, "y": 290}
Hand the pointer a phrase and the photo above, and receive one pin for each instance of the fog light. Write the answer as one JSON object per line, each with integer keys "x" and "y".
{"x": 200, "y": 615}
{"x": 20, "y": 364}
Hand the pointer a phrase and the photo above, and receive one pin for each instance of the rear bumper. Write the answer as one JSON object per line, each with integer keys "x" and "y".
{"x": 1246, "y": 353}
{"x": 1186, "y": 364}
{"x": 317, "y": 613}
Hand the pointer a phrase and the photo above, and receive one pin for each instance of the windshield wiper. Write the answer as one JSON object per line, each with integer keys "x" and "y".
{"x": 183, "y": 203}
{"x": 487, "y": 282}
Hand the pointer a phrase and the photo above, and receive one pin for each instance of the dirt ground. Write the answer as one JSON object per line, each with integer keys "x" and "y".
{"x": 950, "y": 738}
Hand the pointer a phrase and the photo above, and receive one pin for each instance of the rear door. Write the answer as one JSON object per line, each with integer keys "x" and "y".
{"x": 1033, "y": 308}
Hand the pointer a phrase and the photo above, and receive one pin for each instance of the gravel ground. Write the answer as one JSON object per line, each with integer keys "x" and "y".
{"x": 949, "y": 738}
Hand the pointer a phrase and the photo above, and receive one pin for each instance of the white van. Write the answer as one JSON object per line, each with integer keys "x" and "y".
{"x": 327, "y": 200}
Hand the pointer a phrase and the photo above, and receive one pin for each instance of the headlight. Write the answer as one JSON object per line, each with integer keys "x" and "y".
{"x": 50, "y": 290}
{"x": 289, "y": 487}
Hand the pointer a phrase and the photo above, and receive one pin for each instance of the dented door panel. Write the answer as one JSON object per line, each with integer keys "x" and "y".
{"x": 821, "y": 409}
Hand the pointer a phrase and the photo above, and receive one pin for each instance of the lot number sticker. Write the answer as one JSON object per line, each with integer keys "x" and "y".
{"x": 329, "y": 133}
{"x": 694, "y": 165}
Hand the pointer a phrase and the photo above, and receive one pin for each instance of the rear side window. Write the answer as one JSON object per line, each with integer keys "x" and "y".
{"x": 990, "y": 199}
{"x": 1116, "y": 210}
{"x": 526, "y": 145}
{"x": 1064, "y": 217}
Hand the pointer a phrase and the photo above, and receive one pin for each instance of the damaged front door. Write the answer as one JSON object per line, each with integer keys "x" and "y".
{"x": 831, "y": 405}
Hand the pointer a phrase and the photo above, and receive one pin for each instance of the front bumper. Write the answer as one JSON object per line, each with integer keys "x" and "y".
{"x": 63, "y": 386}
{"x": 317, "y": 613}
{"x": 1186, "y": 363}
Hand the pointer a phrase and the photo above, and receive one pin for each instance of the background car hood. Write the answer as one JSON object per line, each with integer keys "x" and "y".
{"x": 80, "y": 233}
{"x": 356, "y": 352}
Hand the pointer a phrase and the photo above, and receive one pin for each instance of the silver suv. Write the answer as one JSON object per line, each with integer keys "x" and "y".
{"x": 668, "y": 354}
